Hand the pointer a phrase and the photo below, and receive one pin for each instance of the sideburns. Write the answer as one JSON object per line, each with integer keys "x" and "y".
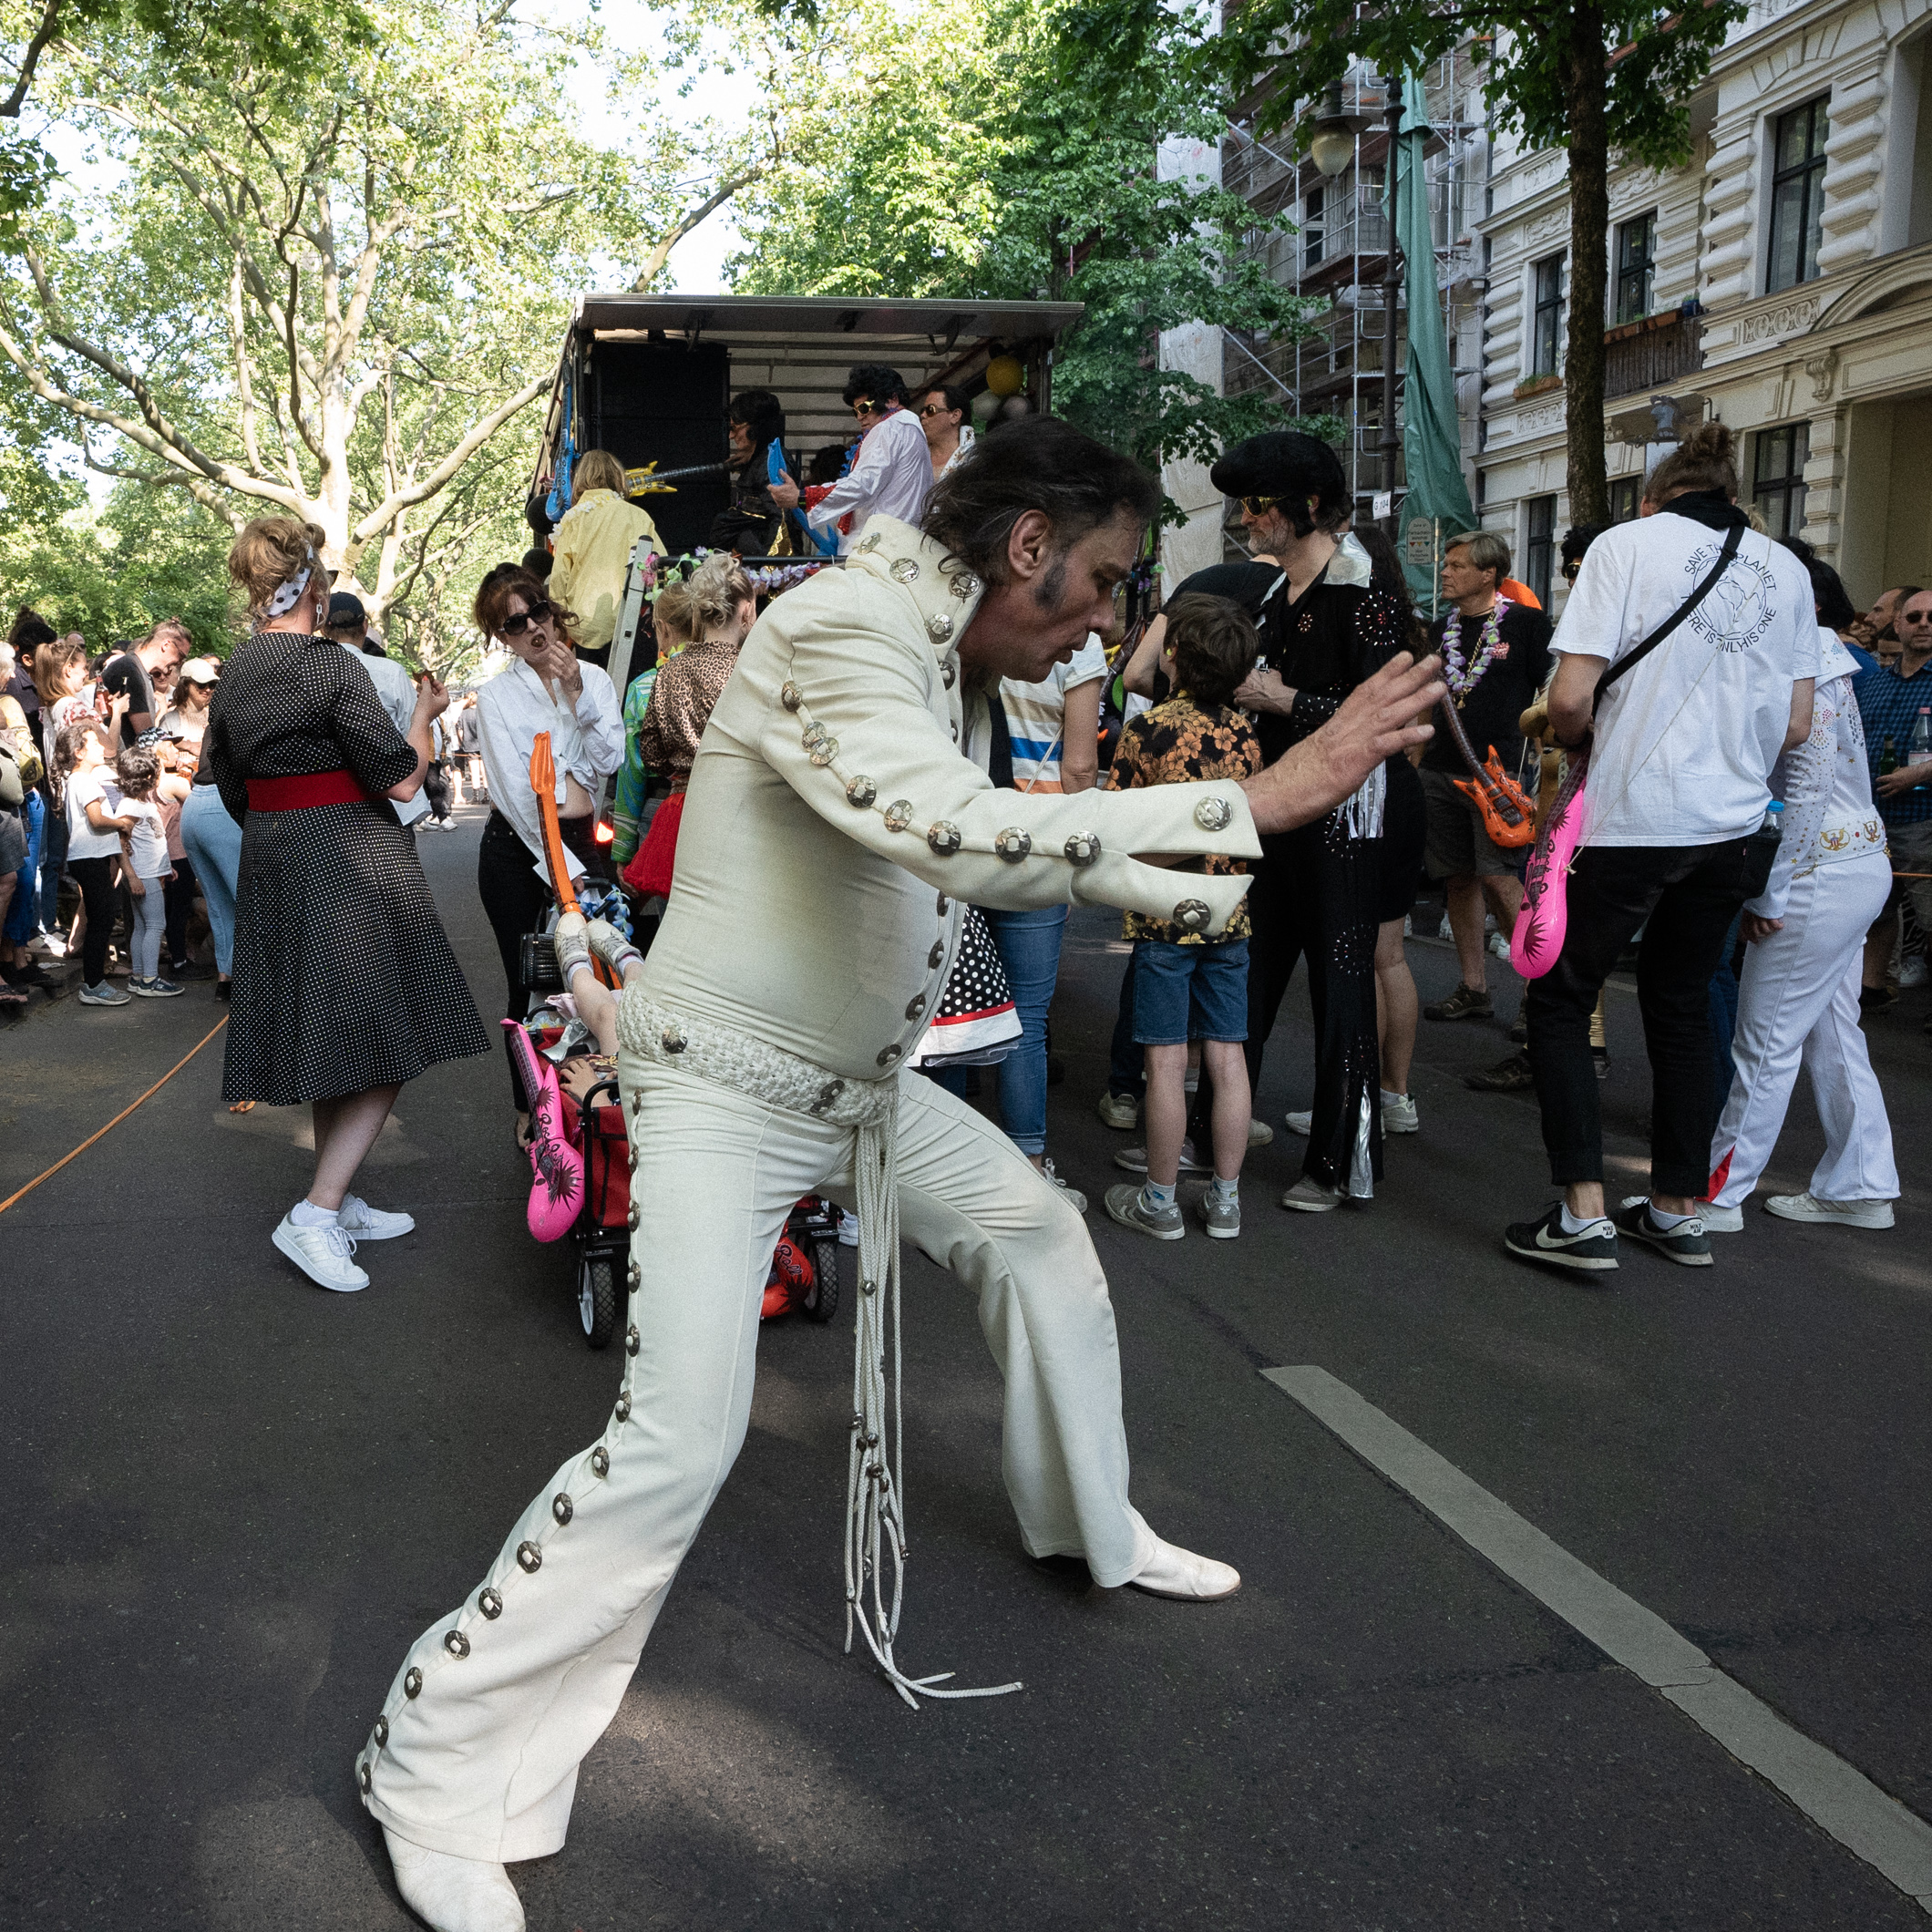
{"x": 1052, "y": 587}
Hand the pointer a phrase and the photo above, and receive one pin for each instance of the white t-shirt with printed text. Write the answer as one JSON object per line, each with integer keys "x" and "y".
{"x": 1685, "y": 741}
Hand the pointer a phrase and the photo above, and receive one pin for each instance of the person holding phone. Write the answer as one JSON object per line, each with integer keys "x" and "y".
{"x": 545, "y": 687}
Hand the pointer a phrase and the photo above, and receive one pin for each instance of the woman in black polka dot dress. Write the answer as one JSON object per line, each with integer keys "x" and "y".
{"x": 345, "y": 985}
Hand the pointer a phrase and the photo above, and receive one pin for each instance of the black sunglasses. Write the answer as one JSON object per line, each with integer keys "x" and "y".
{"x": 541, "y": 611}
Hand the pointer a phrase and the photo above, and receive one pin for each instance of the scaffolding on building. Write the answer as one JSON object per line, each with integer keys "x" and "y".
{"x": 1337, "y": 253}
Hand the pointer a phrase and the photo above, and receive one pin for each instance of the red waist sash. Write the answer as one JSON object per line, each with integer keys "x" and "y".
{"x": 295, "y": 795}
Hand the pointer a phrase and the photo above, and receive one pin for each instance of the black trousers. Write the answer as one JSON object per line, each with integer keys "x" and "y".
{"x": 95, "y": 876}
{"x": 182, "y": 891}
{"x": 435, "y": 788}
{"x": 515, "y": 901}
{"x": 1690, "y": 895}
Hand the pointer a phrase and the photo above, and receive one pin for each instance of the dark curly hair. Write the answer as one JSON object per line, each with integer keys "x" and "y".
{"x": 511, "y": 579}
{"x": 1037, "y": 463}
{"x": 880, "y": 381}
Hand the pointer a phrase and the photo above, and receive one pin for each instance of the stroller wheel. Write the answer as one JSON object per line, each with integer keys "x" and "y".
{"x": 597, "y": 1299}
{"x": 822, "y": 1303}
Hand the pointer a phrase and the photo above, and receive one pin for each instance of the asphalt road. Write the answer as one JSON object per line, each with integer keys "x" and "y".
{"x": 235, "y": 1499}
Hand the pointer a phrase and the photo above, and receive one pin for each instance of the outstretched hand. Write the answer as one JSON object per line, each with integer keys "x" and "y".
{"x": 1376, "y": 721}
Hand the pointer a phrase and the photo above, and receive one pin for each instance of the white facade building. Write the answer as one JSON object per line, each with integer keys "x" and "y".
{"x": 1781, "y": 282}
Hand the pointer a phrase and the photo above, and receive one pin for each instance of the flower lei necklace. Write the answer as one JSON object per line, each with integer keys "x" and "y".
{"x": 1462, "y": 676}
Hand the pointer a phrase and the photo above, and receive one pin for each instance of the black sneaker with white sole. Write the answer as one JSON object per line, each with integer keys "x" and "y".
{"x": 1687, "y": 1244}
{"x": 1591, "y": 1251}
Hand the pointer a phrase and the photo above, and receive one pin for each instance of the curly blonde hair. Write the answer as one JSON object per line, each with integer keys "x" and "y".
{"x": 705, "y": 601}
{"x": 271, "y": 552}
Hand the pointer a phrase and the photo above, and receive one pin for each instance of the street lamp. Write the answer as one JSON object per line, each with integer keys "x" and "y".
{"x": 1332, "y": 146}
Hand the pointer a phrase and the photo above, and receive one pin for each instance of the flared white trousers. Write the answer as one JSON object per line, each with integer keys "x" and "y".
{"x": 1798, "y": 1006}
{"x": 477, "y": 1749}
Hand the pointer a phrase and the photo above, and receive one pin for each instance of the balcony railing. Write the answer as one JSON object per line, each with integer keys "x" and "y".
{"x": 1644, "y": 356}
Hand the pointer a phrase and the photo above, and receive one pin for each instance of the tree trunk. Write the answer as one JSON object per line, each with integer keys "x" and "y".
{"x": 1585, "y": 79}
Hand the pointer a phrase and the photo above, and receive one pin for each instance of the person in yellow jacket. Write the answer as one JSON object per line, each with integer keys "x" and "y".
{"x": 593, "y": 548}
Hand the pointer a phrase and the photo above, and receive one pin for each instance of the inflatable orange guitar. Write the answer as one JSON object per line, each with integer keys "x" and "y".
{"x": 543, "y": 782}
{"x": 1509, "y": 813}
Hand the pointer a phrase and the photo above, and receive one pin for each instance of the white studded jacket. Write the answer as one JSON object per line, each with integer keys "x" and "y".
{"x": 833, "y": 829}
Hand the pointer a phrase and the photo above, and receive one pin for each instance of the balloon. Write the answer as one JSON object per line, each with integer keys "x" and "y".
{"x": 1004, "y": 376}
{"x": 984, "y": 404}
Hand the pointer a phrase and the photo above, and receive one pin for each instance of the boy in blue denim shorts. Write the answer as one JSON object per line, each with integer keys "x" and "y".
{"x": 1187, "y": 985}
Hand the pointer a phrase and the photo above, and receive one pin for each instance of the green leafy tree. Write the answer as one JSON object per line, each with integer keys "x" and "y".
{"x": 1601, "y": 79}
{"x": 1014, "y": 163}
{"x": 326, "y": 290}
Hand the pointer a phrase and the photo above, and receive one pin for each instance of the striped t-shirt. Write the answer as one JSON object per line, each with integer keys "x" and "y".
{"x": 1036, "y": 713}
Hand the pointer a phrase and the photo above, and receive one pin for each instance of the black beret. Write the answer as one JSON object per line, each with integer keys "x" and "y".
{"x": 1282, "y": 463}
{"x": 1247, "y": 584}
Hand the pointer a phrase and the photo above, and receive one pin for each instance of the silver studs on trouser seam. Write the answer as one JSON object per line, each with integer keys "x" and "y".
{"x": 456, "y": 1644}
{"x": 362, "y": 1774}
{"x": 622, "y": 1411}
{"x": 412, "y": 1681}
{"x": 790, "y": 696}
{"x": 632, "y": 1340}
{"x": 490, "y": 1603}
{"x": 634, "y": 1275}
{"x": 382, "y": 1733}
{"x": 601, "y": 1460}
{"x": 562, "y": 1509}
{"x": 531, "y": 1557}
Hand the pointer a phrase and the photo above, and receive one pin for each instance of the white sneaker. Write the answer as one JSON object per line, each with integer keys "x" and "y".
{"x": 1075, "y": 1200}
{"x": 1119, "y": 1111}
{"x": 1177, "y": 1572}
{"x": 1849, "y": 1214}
{"x": 361, "y": 1222}
{"x": 322, "y": 1254}
{"x": 1301, "y": 1124}
{"x": 1399, "y": 1115}
{"x": 848, "y": 1229}
{"x": 1498, "y": 946}
{"x": 1259, "y": 1133}
{"x": 1445, "y": 930}
{"x": 47, "y": 946}
{"x": 1720, "y": 1220}
{"x": 454, "y": 1895}
{"x": 103, "y": 995}
{"x": 1309, "y": 1197}
{"x": 1912, "y": 971}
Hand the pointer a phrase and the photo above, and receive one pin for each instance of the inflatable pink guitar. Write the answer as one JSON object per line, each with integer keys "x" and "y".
{"x": 1545, "y": 914}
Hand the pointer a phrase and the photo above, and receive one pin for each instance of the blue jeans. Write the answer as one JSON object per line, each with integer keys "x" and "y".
{"x": 1028, "y": 944}
{"x": 53, "y": 863}
{"x": 214, "y": 843}
{"x": 23, "y": 908}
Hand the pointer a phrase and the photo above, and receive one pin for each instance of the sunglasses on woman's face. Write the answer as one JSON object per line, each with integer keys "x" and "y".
{"x": 540, "y": 612}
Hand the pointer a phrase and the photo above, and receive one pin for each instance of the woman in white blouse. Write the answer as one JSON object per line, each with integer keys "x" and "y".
{"x": 545, "y": 687}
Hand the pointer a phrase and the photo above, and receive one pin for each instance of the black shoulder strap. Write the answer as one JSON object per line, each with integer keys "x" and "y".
{"x": 1613, "y": 671}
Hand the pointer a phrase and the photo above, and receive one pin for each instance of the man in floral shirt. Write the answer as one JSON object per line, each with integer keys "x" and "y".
{"x": 1496, "y": 654}
{"x": 1191, "y": 985}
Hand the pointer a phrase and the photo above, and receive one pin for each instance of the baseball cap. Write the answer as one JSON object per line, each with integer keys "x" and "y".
{"x": 201, "y": 671}
{"x": 345, "y": 610}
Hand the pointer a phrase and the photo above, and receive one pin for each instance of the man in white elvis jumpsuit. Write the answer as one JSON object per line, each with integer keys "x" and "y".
{"x": 832, "y": 834}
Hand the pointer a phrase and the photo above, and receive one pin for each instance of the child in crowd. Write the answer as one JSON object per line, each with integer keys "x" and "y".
{"x": 95, "y": 825}
{"x": 1188, "y": 985}
{"x": 146, "y": 864}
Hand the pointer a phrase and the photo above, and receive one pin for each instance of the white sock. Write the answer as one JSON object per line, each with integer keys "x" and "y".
{"x": 1387, "y": 1096}
{"x": 1155, "y": 1199}
{"x": 1669, "y": 1220}
{"x": 1225, "y": 1192}
{"x": 306, "y": 1213}
{"x": 1571, "y": 1224}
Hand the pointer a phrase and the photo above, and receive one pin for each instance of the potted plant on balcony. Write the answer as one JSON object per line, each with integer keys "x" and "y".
{"x": 1536, "y": 385}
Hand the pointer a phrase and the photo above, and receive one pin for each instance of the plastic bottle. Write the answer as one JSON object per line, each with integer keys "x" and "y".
{"x": 1773, "y": 825}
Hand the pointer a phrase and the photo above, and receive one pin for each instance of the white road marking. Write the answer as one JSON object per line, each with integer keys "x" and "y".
{"x": 1841, "y": 1800}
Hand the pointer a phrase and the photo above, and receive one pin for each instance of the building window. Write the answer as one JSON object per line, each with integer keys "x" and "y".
{"x": 1537, "y": 551}
{"x": 1777, "y": 477}
{"x": 1626, "y": 494}
{"x": 1313, "y": 224}
{"x": 1636, "y": 254}
{"x": 1797, "y": 194}
{"x": 1546, "y": 337}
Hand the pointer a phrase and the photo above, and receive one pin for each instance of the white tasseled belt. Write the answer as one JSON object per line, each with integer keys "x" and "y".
{"x": 875, "y": 1494}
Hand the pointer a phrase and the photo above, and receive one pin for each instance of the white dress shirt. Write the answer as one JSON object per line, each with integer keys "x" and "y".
{"x": 396, "y": 690}
{"x": 891, "y": 477}
{"x": 586, "y": 744}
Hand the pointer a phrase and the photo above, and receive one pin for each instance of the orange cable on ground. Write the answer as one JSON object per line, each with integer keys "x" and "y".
{"x": 115, "y": 1122}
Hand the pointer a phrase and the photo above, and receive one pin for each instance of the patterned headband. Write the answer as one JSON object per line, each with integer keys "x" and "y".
{"x": 284, "y": 599}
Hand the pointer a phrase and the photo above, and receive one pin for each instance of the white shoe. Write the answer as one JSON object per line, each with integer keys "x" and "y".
{"x": 454, "y": 1895}
{"x": 1498, "y": 946}
{"x": 1399, "y": 1115}
{"x": 1076, "y": 1200}
{"x": 1301, "y": 1124}
{"x": 1309, "y": 1197}
{"x": 361, "y": 1222}
{"x": 1720, "y": 1220}
{"x": 1259, "y": 1133}
{"x": 322, "y": 1254}
{"x": 848, "y": 1229}
{"x": 1912, "y": 971}
{"x": 1849, "y": 1214}
{"x": 1119, "y": 1111}
{"x": 1175, "y": 1572}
